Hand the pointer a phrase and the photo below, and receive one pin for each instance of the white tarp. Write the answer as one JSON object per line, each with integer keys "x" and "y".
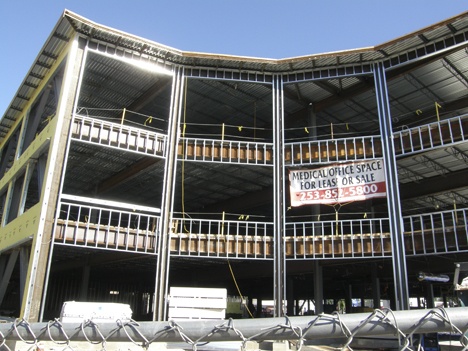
{"x": 338, "y": 183}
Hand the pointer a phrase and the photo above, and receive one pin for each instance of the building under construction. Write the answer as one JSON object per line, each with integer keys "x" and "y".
{"x": 129, "y": 167}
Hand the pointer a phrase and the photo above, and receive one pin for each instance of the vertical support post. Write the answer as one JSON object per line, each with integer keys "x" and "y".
{"x": 318, "y": 287}
{"x": 312, "y": 118}
{"x": 315, "y": 209}
{"x": 3, "y": 263}
{"x": 259, "y": 308}
{"x": 24, "y": 259}
{"x": 349, "y": 299}
{"x": 41, "y": 162}
{"x": 85, "y": 272}
{"x": 393, "y": 193}
{"x": 41, "y": 169}
{"x": 7, "y": 204}
{"x": 290, "y": 308}
{"x": 317, "y": 228}
{"x": 430, "y": 301}
{"x": 278, "y": 197}
{"x": 167, "y": 203}
{"x": 362, "y": 292}
{"x": 315, "y": 212}
{"x": 375, "y": 287}
{"x": 33, "y": 303}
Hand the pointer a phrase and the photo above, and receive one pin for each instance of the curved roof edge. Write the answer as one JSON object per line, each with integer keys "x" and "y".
{"x": 218, "y": 56}
{"x": 76, "y": 18}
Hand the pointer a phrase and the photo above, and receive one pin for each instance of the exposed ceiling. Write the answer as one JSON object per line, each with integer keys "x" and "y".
{"x": 245, "y": 110}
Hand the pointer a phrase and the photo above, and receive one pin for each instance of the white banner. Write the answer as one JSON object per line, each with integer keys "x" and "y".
{"x": 343, "y": 182}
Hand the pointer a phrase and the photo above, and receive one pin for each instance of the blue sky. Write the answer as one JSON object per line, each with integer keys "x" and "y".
{"x": 259, "y": 28}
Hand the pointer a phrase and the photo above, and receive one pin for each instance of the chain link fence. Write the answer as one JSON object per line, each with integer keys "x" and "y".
{"x": 401, "y": 326}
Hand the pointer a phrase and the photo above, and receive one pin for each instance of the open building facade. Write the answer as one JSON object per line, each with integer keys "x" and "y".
{"x": 128, "y": 167}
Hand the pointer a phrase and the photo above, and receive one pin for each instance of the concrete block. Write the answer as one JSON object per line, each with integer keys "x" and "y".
{"x": 252, "y": 346}
{"x": 280, "y": 346}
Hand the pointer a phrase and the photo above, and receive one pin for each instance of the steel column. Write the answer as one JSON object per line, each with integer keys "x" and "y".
{"x": 24, "y": 259}
{"x": 42, "y": 165}
{"x": 318, "y": 287}
{"x": 278, "y": 197}
{"x": 375, "y": 286}
{"x": 31, "y": 308}
{"x": 393, "y": 193}
{"x": 163, "y": 260}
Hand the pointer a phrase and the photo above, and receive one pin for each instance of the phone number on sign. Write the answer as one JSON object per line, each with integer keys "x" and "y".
{"x": 336, "y": 193}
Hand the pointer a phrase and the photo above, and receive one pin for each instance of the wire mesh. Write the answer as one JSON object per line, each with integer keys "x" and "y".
{"x": 402, "y": 326}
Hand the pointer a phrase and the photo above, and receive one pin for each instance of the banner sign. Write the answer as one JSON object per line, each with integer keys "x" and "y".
{"x": 343, "y": 182}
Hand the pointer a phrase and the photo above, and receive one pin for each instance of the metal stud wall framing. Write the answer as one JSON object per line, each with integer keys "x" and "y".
{"x": 228, "y": 74}
{"x": 118, "y": 136}
{"x": 430, "y": 136}
{"x": 406, "y": 142}
{"x": 228, "y": 151}
{"x": 85, "y": 223}
{"x": 336, "y": 150}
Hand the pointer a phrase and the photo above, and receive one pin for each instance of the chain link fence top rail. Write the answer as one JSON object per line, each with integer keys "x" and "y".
{"x": 400, "y": 325}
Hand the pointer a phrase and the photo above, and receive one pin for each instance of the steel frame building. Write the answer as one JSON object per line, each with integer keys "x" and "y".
{"x": 128, "y": 167}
